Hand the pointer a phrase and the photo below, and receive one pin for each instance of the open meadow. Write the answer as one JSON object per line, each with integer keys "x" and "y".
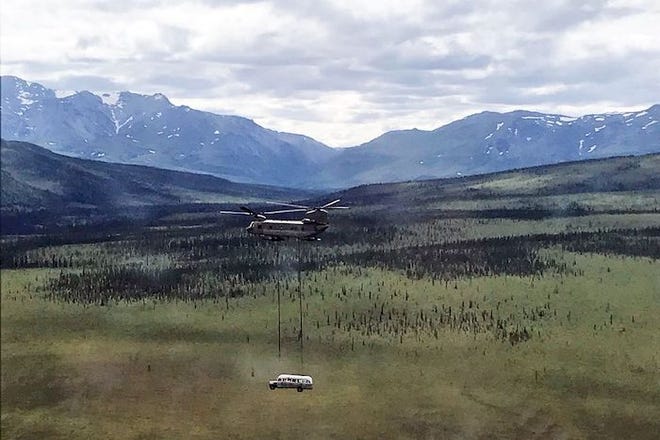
{"x": 463, "y": 324}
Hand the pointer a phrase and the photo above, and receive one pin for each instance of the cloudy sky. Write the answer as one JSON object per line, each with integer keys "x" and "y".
{"x": 344, "y": 71}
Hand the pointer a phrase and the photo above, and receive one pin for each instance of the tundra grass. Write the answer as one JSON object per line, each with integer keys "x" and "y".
{"x": 154, "y": 369}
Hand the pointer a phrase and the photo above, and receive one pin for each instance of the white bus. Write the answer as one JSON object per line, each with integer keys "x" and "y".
{"x": 292, "y": 381}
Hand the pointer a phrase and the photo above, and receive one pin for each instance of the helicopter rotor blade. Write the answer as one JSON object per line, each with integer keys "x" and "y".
{"x": 234, "y": 212}
{"x": 253, "y": 213}
{"x": 332, "y": 204}
{"x": 327, "y": 205}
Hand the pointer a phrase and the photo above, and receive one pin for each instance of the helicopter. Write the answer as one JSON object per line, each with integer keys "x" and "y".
{"x": 313, "y": 223}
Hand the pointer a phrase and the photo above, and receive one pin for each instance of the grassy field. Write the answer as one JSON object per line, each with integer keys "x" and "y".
{"x": 519, "y": 305}
{"x": 174, "y": 369}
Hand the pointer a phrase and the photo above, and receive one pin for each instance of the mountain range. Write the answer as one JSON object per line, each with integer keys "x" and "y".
{"x": 149, "y": 130}
{"x": 489, "y": 142}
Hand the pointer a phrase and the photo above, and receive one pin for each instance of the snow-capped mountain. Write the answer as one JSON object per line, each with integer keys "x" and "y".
{"x": 150, "y": 130}
{"x": 489, "y": 141}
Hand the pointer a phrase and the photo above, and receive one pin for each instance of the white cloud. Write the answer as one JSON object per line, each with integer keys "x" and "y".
{"x": 344, "y": 71}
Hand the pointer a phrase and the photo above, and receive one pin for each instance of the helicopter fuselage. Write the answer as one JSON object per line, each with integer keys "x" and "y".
{"x": 283, "y": 229}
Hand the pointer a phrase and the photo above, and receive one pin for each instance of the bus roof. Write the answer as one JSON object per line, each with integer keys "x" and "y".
{"x": 294, "y": 376}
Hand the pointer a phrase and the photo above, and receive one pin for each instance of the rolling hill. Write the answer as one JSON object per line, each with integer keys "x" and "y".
{"x": 36, "y": 178}
{"x": 605, "y": 183}
{"x": 37, "y": 183}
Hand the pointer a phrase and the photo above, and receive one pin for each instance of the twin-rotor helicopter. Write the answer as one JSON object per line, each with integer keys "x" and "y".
{"x": 313, "y": 223}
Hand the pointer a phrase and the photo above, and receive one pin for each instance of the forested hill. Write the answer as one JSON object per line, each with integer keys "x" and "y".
{"x": 527, "y": 186}
{"x": 36, "y": 178}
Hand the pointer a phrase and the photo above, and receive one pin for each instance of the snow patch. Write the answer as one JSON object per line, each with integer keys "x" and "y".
{"x": 499, "y": 125}
{"x": 216, "y": 132}
{"x": 118, "y": 126}
{"x": 532, "y": 117}
{"x": 151, "y": 151}
{"x": 110, "y": 98}
{"x": 528, "y": 138}
{"x": 489, "y": 136}
{"x": 641, "y": 114}
{"x": 599, "y": 119}
{"x": 567, "y": 119}
{"x": 592, "y": 148}
{"x": 24, "y": 97}
{"x": 649, "y": 124}
{"x": 64, "y": 93}
{"x": 597, "y": 129}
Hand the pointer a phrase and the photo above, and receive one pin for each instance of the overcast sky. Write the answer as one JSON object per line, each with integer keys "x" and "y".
{"x": 344, "y": 71}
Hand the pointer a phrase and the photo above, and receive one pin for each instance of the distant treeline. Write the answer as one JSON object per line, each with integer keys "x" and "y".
{"x": 507, "y": 255}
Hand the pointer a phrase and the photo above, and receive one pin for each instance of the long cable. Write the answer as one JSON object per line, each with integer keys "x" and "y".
{"x": 300, "y": 301}
{"x": 279, "y": 310}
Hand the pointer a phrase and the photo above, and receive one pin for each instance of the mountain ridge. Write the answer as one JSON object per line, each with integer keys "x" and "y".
{"x": 489, "y": 141}
{"x": 34, "y": 177}
{"x": 127, "y": 127}
{"x": 150, "y": 130}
